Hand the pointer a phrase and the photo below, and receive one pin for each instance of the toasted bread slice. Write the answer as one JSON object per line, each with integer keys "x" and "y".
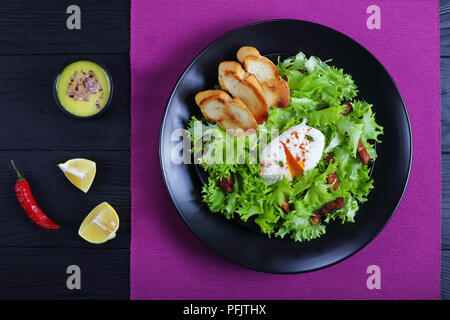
{"x": 275, "y": 88}
{"x": 246, "y": 51}
{"x": 230, "y": 114}
{"x": 202, "y": 95}
{"x": 245, "y": 86}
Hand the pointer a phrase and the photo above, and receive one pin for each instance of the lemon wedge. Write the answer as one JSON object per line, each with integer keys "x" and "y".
{"x": 100, "y": 225}
{"x": 81, "y": 172}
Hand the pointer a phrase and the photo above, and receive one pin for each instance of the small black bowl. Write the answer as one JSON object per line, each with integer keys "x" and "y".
{"x": 111, "y": 90}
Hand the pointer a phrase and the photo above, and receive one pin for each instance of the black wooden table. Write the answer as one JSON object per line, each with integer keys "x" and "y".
{"x": 34, "y": 44}
{"x": 445, "y": 122}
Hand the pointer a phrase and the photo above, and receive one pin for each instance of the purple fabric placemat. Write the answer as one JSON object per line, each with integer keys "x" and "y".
{"x": 169, "y": 262}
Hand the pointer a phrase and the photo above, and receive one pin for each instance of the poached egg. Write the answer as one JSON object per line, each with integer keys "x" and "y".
{"x": 296, "y": 150}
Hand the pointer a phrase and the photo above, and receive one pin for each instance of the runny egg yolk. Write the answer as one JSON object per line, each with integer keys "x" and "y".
{"x": 296, "y": 168}
{"x": 297, "y": 150}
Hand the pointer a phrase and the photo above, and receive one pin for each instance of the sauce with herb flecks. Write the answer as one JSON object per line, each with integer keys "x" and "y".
{"x": 83, "y": 88}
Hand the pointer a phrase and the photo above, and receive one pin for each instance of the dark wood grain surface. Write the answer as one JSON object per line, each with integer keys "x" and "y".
{"x": 26, "y": 83}
{"x": 34, "y": 45}
{"x": 64, "y": 203}
{"x": 444, "y": 13}
{"x": 40, "y": 273}
{"x": 39, "y": 27}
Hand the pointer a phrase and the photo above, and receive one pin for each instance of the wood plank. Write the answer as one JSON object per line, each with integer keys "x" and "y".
{"x": 445, "y": 181}
{"x": 34, "y": 45}
{"x": 31, "y": 27}
{"x": 40, "y": 273}
{"x": 445, "y": 233}
{"x": 444, "y": 10}
{"x": 445, "y": 275}
{"x": 445, "y": 103}
{"x": 34, "y": 121}
{"x": 445, "y": 213}
{"x": 444, "y": 17}
{"x": 60, "y": 200}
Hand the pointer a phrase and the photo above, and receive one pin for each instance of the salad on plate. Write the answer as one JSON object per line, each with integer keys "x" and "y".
{"x": 288, "y": 146}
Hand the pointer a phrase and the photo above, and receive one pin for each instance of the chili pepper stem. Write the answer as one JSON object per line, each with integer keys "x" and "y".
{"x": 19, "y": 176}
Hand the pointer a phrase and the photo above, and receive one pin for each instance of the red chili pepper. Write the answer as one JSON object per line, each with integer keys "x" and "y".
{"x": 27, "y": 202}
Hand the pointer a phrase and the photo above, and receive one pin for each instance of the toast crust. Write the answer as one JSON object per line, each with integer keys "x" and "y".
{"x": 245, "y": 86}
{"x": 230, "y": 114}
{"x": 246, "y": 51}
{"x": 200, "y": 96}
{"x": 275, "y": 88}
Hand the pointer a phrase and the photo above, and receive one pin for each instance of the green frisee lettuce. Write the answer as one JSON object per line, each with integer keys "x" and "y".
{"x": 318, "y": 93}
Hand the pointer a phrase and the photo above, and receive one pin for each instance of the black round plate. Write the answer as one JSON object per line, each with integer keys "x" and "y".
{"x": 246, "y": 246}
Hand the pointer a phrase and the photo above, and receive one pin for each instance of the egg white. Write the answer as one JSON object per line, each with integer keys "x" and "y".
{"x": 304, "y": 149}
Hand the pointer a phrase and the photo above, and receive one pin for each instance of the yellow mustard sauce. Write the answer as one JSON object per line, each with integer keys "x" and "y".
{"x": 83, "y": 88}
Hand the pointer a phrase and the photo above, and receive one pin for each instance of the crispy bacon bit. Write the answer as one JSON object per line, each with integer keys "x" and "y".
{"x": 348, "y": 107}
{"x": 332, "y": 206}
{"x": 326, "y": 209}
{"x": 329, "y": 157}
{"x": 301, "y": 70}
{"x": 315, "y": 220}
{"x": 339, "y": 203}
{"x": 332, "y": 179}
{"x": 286, "y": 206}
{"x": 226, "y": 184}
{"x": 363, "y": 154}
